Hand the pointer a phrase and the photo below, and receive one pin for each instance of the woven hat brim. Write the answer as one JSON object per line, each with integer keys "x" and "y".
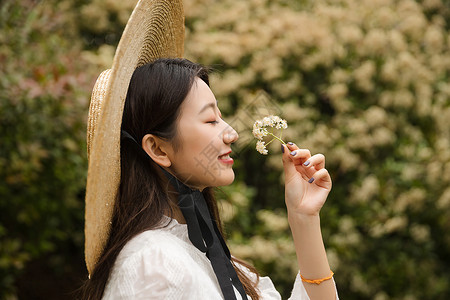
{"x": 155, "y": 30}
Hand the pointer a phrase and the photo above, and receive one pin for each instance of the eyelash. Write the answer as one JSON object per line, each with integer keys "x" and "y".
{"x": 213, "y": 122}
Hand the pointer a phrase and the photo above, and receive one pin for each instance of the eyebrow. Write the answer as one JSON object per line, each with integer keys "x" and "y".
{"x": 212, "y": 105}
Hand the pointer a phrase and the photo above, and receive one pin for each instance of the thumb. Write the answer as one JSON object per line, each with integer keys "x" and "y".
{"x": 288, "y": 164}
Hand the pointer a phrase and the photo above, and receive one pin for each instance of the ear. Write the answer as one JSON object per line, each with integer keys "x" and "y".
{"x": 157, "y": 149}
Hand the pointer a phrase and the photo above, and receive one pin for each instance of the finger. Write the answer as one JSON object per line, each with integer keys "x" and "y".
{"x": 299, "y": 156}
{"x": 317, "y": 161}
{"x": 292, "y": 160}
{"x": 321, "y": 178}
{"x": 291, "y": 146}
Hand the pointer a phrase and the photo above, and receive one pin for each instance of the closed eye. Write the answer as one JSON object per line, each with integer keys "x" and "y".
{"x": 213, "y": 122}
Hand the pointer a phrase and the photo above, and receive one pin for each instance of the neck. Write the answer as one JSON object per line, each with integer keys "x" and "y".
{"x": 176, "y": 211}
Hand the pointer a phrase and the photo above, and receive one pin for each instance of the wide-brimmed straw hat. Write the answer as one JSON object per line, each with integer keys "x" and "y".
{"x": 154, "y": 30}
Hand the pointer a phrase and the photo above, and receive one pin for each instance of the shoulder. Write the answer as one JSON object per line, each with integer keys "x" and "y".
{"x": 153, "y": 246}
{"x": 150, "y": 266}
{"x": 160, "y": 264}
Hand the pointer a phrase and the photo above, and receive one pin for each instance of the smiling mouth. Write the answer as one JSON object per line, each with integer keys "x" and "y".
{"x": 225, "y": 156}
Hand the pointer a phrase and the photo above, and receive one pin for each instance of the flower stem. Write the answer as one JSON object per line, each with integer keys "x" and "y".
{"x": 270, "y": 142}
{"x": 276, "y": 138}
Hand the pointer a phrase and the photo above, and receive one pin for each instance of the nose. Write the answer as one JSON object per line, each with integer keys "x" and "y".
{"x": 230, "y": 135}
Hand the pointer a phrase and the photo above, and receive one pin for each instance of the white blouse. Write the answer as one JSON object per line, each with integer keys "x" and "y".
{"x": 164, "y": 264}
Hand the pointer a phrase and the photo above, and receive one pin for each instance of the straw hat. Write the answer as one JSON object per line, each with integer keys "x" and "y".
{"x": 154, "y": 30}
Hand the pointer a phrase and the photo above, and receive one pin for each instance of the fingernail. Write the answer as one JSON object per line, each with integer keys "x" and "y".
{"x": 282, "y": 148}
{"x": 293, "y": 153}
{"x": 306, "y": 163}
{"x": 311, "y": 180}
{"x": 290, "y": 143}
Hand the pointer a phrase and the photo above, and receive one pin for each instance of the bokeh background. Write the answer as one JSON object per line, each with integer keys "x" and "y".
{"x": 366, "y": 82}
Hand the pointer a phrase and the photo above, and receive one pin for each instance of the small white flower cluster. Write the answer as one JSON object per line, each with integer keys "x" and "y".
{"x": 261, "y": 147}
{"x": 260, "y": 131}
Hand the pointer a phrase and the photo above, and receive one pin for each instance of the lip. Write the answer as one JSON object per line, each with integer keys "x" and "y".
{"x": 227, "y": 160}
{"x": 226, "y": 153}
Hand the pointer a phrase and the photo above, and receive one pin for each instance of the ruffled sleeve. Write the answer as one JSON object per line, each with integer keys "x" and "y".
{"x": 268, "y": 291}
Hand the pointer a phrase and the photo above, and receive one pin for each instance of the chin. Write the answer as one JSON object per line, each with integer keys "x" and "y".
{"x": 217, "y": 178}
{"x": 227, "y": 178}
{"x": 222, "y": 179}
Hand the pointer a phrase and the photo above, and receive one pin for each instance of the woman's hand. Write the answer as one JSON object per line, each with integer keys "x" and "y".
{"x": 307, "y": 182}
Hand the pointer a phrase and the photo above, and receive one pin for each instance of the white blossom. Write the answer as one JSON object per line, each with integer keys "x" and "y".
{"x": 260, "y": 131}
{"x": 261, "y": 147}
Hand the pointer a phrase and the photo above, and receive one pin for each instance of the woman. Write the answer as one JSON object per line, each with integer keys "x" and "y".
{"x": 169, "y": 118}
{"x": 152, "y": 228}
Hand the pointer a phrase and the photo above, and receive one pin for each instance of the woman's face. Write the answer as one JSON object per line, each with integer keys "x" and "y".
{"x": 203, "y": 160}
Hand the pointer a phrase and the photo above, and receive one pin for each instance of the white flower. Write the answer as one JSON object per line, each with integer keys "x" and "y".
{"x": 271, "y": 121}
{"x": 258, "y": 124}
{"x": 281, "y": 124}
{"x": 260, "y": 131}
{"x": 275, "y": 119}
{"x": 267, "y": 121}
{"x": 261, "y": 147}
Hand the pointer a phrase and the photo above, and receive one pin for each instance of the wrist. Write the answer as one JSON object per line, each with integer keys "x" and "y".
{"x": 303, "y": 210}
{"x": 303, "y": 220}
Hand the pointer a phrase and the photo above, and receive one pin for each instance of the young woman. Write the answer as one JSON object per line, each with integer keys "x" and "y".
{"x": 165, "y": 240}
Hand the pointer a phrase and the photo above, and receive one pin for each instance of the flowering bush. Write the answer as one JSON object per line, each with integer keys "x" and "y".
{"x": 364, "y": 82}
{"x": 367, "y": 84}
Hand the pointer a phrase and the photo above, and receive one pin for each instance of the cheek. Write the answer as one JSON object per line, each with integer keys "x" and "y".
{"x": 198, "y": 142}
{"x": 190, "y": 147}
{"x": 200, "y": 137}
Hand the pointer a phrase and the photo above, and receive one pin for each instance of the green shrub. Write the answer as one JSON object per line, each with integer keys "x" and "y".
{"x": 42, "y": 149}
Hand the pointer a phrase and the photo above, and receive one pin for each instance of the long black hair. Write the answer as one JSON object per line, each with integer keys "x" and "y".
{"x": 152, "y": 105}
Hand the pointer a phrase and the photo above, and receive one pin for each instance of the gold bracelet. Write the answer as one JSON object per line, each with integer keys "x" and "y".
{"x": 317, "y": 281}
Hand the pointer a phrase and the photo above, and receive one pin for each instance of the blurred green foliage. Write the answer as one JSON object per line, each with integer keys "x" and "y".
{"x": 364, "y": 82}
{"x": 43, "y": 104}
